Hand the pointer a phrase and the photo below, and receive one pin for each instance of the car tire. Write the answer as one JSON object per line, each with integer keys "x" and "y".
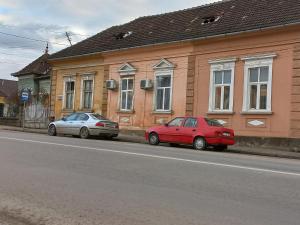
{"x": 52, "y": 130}
{"x": 84, "y": 133}
{"x": 199, "y": 143}
{"x": 153, "y": 139}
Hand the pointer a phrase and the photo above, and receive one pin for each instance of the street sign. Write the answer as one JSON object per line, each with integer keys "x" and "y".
{"x": 24, "y": 96}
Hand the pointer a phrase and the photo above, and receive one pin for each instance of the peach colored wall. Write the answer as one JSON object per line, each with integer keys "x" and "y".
{"x": 277, "y": 124}
{"x": 143, "y": 115}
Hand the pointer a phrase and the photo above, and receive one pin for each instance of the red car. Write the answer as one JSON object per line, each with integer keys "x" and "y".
{"x": 197, "y": 131}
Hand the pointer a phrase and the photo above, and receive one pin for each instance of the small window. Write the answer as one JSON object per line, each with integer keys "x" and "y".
{"x": 87, "y": 94}
{"x": 69, "y": 94}
{"x": 176, "y": 122}
{"x": 163, "y": 92}
{"x": 82, "y": 117}
{"x": 126, "y": 103}
{"x": 190, "y": 122}
{"x": 210, "y": 19}
{"x": 72, "y": 117}
{"x": 213, "y": 123}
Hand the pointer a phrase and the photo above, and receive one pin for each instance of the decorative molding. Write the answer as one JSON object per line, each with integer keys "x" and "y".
{"x": 163, "y": 64}
{"x": 256, "y": 123}
{"x": 259, "y": 57}
{"x": 127, "y": 69}
{"x": 222, "y": 61}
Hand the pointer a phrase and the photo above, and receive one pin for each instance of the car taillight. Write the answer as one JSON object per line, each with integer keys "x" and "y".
{"x": 99, "y": 124}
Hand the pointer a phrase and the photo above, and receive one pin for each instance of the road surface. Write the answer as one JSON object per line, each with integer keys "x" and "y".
{"x": 69, "y": 181}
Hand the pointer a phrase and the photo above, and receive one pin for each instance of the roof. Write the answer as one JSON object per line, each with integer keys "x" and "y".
{"x": 231, "y": 16}
{"x": 39, "y": 66}
{"x": 8, "y": 88}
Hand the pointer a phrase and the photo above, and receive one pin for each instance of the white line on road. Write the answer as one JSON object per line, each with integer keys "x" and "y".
{"x": 158, "y": 157}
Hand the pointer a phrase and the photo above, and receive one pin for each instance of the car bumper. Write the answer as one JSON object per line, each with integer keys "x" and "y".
{"x": 220, "y": 141}
{"x": 103, "y": 131}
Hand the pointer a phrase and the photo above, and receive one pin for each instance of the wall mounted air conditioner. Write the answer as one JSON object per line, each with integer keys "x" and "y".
{"x": 111, "y": 84}
{"x": 146, "y": 84}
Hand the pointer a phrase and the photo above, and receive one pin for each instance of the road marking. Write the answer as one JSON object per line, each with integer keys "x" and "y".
{"x": 158, "y": 157}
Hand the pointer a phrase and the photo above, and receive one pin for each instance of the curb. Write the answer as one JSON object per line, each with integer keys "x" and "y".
{"x": 125, "y": 137}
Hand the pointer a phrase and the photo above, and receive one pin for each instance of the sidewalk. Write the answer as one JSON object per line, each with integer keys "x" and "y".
{"x": 126, "y": 137}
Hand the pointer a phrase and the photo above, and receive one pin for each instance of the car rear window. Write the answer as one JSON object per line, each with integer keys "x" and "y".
{"x": 98, "y": 117}
{"x": 213, "y": 122}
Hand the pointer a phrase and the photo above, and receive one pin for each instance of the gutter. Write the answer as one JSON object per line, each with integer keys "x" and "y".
{"x": 180, "y": 41}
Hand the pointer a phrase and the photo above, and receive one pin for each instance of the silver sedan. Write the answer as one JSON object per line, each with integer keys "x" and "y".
{"x": 84, "y": 125}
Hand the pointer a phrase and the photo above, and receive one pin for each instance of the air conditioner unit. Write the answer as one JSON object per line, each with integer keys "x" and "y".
{"x": 146, "y": 84}
{"x": 111, "y": 84}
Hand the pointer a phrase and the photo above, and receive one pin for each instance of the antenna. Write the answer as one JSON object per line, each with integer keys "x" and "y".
{"x": 68, "y": 37}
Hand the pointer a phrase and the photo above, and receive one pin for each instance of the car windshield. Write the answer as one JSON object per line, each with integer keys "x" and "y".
{"x": 213, "y": 122}
{"x": 97, "y": 117}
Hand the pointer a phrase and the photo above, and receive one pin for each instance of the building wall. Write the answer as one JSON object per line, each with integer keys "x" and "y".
{"x": 143, "y": 60}
{"x": 276, "y": 124}
{"x": 77, "y": 69}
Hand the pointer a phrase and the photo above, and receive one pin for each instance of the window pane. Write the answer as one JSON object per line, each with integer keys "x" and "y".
{"x": 253, "y": 96}
{"x": 190, "y": 122}
{"x": 264, "y": 74}
{"x": 226, "y": 97}
{"x": 123, "y": 99}
{"x": 124, "y": 84}
{"x": 129, "y": 100}
{"x": 167, "y": 99}
{"x": 72, "y": 117}
{"x": 130, "y": 84}
{"x": 163, "y": 81}
{"x": 87, "y": 100}
{"x": 263, "y": 96}
{"x": 218, "y": 91}
{"x": 218, "y": 77}
{"x": 254, "y": 75}
{"x": 159, "y": 99}
{"x": 227, "y": 77}
{"x": 176, "y": 122}
{"x": 69, "y": 100}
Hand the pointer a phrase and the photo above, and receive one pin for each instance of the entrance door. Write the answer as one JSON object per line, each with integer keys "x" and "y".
{"x": 1, "y": 109}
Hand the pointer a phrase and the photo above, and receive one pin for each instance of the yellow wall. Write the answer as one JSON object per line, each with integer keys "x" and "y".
{"x": 73, "y": 68}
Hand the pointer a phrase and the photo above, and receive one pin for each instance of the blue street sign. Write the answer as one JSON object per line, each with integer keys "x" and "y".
{"x": 24, "y": 96}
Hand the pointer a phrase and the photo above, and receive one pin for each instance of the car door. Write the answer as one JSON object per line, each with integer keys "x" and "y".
{"x": 68, "y": 126}
{"x": 188, "y": 130}
{"x": 172, "y": 131}
{"x": 81, "y": 120}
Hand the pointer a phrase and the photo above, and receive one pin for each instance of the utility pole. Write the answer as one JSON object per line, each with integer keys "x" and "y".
{"x": 68, "y": 37}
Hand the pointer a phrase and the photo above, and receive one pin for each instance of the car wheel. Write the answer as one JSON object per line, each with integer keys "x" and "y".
{"x": 52, "y": 130}
{"x": 153, "y": 139}
{"x": 199, "y": 143}
{"x": 84, "y": 133}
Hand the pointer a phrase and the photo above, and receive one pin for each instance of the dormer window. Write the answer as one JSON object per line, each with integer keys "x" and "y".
{"x": 210, "y": 19}
{"x": 122, "y": 35}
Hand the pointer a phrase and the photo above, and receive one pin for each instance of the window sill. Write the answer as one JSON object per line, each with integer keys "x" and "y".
{"x": 256, "y": 112}
{"x": 85, "y": 110}
{"x": 220, "y": 113}
{"x": 68, "y": 110}
{"x": 125, "y": 112}
{"x": 163, "y": 112}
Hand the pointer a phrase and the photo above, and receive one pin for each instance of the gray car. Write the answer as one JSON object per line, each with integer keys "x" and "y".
{"x": 84, "y": 125}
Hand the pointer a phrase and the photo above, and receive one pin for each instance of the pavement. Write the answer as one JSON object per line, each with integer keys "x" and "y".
{"x": 126, "y": 137}
{"x": 70, "y": 181}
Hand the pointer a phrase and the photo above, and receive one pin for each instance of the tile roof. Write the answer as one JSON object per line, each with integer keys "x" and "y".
{"x": 231, "y": 16}
{"x": 39, "y": 66}
{"x": 8, "y": 88}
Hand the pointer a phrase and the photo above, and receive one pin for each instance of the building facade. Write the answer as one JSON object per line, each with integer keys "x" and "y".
{"x": 148, "y": 71}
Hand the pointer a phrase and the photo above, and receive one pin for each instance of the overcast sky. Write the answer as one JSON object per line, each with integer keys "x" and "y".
{"x": 49, "y": 20}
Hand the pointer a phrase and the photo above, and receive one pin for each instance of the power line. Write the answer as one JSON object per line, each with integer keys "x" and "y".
{"x": 32, "y": 39}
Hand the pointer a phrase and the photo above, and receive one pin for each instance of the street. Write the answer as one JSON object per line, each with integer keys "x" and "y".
{"x": 71, "y": 181}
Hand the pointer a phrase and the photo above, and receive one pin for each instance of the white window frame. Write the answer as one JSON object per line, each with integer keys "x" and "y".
{"x": 68, "y": 79}
{"x": 126, "y": 91}
{"x": 221, "y": 65}
{"x": 158, "y": 74}
{"x": 85, "y": 77}
{"x": 257, "y": 62}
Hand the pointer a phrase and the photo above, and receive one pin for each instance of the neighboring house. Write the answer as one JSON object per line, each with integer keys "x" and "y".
{"x": 35, "y": 78}
{"x": 237, "y": 61}
{"x": 8, "y": 98}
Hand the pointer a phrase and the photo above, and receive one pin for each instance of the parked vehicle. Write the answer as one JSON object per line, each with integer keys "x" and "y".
{"x": 197, "y": 131}
{"x": 84, "y": 125}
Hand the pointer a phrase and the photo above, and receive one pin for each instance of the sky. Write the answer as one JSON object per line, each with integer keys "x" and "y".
{"x": 27, "y": 25}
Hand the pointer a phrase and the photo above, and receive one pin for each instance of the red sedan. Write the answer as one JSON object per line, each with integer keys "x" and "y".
{"x": 197, "y": 131}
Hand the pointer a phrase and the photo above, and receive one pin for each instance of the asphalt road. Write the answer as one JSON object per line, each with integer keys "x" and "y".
{"x": 69, "y": 181}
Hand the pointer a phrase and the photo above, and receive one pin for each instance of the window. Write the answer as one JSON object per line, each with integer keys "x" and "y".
{"x": 126, "y": 94}
{"x": 163, "y": 92}
{"x": 87, "y": 93}
{"x": 221, "y": 87}
{"x": 258, "y": 84}
{"x": 82, "y": 117}
{"x": 213, "y": 123}
{"x": 69, "y": 94}
{"x": 190, "y": 122}
{"x": 71, "y": 117}
{"x": 176, "y": 122}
